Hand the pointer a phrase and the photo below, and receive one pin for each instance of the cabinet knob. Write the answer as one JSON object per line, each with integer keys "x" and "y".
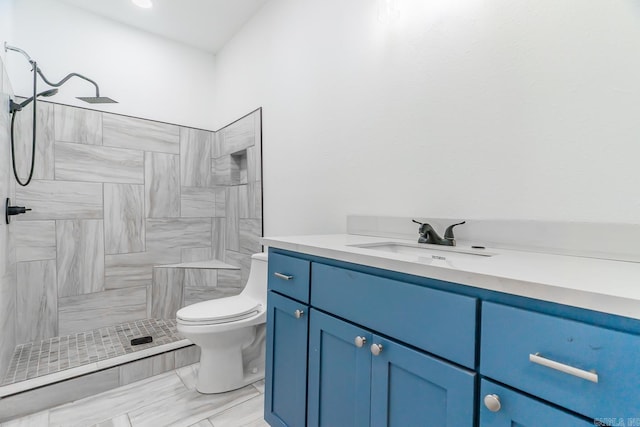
{"x": 492, "y": 402}
{"x": 298, "y": 313}
{"x": 376, "y": 349}
{"x": 359, "y": 341}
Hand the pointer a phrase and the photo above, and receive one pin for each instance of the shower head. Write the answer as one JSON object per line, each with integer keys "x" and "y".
{"x": 47, "y": 93}
{"x": 97, "y": 99}
{"x": 14, "y": 106}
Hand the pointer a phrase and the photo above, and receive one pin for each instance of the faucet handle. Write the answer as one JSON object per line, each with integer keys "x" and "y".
{"x": 417, "y": 222}
{"x": 448, "y": 234}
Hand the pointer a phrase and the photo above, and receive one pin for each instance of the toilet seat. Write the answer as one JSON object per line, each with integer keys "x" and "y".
{"x": 223, "y": 310}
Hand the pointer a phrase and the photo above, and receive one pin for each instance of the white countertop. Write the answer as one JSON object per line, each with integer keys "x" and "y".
{"x": 596, "y": 284}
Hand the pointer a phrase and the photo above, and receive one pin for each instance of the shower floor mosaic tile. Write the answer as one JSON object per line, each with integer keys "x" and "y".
{"x": 57, "y": 354}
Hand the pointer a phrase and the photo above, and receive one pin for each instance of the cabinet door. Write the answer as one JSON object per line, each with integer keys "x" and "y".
{"x": 339, "y": 373}
{"x": 410, "y": 388}
{"x": 286, "y": 361}
{"x": 514, "y": 409}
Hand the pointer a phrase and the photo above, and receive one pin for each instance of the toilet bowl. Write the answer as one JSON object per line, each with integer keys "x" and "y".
{"x": 230, "y": 333}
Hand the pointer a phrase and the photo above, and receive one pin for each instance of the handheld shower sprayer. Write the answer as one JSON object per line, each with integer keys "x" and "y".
{"x": 14, "y": 107}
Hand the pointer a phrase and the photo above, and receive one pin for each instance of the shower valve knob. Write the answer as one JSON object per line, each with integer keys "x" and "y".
{"x": 13, "y": 210}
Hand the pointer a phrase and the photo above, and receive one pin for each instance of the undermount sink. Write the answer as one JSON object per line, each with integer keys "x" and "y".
{"x": 435, "y": 252}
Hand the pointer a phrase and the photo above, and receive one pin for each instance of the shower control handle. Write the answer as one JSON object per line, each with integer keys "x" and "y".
{"x": 13, "y": 210}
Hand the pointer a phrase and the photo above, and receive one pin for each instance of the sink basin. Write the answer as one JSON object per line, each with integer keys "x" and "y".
{"x": 435, "y": 252}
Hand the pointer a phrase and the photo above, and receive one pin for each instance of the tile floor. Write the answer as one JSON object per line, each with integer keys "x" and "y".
{"x": 164, "y": 400}
{"x": 35, "y": 359}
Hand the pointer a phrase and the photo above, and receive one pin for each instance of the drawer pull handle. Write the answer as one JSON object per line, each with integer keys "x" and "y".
{"x": 580, "y": 373}
{"x": 359, "y": 341}
{"x": 298, "y": 313}
{"x": 492, "y": 402}
{"x": 376, "y": 349}
{"x": 283, "y": 276}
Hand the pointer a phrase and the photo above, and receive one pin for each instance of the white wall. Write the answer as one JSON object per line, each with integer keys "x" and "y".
{"x": 151, "y": 77}
{"x": 458, "y": 108}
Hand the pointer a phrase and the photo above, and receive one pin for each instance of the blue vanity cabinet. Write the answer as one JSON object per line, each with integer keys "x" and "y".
{"x": 286, "y": 361}
{"x": 410, "y": 388}
{"x": 359, "y": 379}
{"x": 510, "y": 408}
{"x": 339, "y": 373}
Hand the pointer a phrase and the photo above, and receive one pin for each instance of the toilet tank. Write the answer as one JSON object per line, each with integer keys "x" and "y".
{"x": 256, "y": 286}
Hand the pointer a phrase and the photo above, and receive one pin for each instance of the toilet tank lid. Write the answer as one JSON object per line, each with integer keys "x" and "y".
{"x": 219, "y": 309}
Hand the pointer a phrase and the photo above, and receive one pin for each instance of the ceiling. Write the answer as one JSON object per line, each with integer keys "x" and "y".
{"x": 203, "y": 24}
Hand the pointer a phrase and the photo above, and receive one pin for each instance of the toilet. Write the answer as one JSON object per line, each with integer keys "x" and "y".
{"x": 230, "y": 333}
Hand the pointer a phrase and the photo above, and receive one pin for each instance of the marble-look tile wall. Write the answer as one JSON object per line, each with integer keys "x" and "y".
{"x": 114, "y": 196}
{"x": 8, "y": 251}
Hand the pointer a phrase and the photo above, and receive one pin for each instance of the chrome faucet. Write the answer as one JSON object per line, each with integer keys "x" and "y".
{"x": 429, "y": 235}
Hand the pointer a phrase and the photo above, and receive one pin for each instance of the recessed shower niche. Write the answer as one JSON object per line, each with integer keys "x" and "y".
{"x": 239, "y": 167}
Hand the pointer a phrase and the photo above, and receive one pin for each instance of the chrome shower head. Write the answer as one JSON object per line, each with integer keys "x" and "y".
{"x": 97, "y": 99}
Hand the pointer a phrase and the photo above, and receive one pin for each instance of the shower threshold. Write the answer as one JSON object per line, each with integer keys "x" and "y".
{"x": 41, "y": 363}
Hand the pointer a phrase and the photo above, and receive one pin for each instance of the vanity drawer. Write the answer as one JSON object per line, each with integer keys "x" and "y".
{"x": 509, "y": 408}
{"x": 588, "y": 369}
{"x": 439, "y": 322}
{"x": 289, "y": 276}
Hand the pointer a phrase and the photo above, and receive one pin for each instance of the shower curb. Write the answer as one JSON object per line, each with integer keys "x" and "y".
{"x": 79, "y": 384}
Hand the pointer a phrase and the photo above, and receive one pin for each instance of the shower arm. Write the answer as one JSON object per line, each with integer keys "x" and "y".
{"x": 17, "y": 49}
{"x": 67, "y": 77}
{"x": 41, "y": 74}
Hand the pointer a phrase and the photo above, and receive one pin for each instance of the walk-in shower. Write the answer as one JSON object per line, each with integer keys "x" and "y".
{"x": 15, "y": 107}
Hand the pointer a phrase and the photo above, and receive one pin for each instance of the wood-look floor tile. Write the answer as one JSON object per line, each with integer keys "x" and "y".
{"x": 188, "y": 408}
{"x": 107, "y": 405}
{"x": 246, "y": 414}
{"x": 39, "y": 419}
{"x": 119, "y": 421}
{"x": 45, "y": 397}
{"x": 189, "y": 375}
{"x": 259, "y": 385}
